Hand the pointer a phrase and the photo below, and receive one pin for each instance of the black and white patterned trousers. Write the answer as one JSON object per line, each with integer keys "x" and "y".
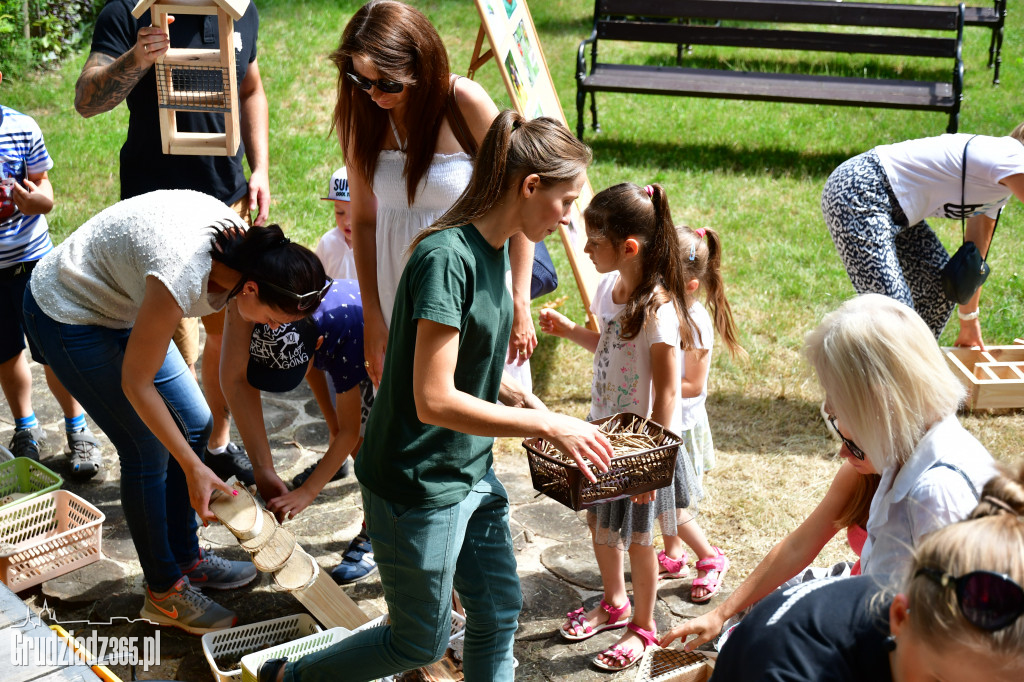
{"x": 882, "y": 254}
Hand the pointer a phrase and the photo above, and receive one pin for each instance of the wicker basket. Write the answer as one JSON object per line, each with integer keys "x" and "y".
{"x": 628, "y": 475}
{"x": 673, "y": 665}
{"x": 244, "y": 639}
{"x": 47, "y": 536}
{"x": 22, "y": 479}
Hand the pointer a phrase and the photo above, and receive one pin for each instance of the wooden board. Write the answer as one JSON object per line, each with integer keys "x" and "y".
{"x": 994, "y": 377}
{"x": 507, "y": 26}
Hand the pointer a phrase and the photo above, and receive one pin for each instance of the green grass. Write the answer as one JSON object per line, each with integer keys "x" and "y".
{"x": 754, "y": 171}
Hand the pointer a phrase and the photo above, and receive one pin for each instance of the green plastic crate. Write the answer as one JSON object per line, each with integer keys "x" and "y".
{"x": 22, "y": 479}
{"x": 294, "y": 650}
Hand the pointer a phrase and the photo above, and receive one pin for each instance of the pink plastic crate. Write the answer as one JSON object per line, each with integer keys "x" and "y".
{"x": 47, "y": 536}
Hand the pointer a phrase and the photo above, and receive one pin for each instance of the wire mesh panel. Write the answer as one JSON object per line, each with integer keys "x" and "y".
{"x": 192, "y": 88}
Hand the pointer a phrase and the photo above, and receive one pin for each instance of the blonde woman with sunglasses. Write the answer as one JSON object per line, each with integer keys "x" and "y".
{"x": 909, "y": 466}
{"x": 958, "y": 615}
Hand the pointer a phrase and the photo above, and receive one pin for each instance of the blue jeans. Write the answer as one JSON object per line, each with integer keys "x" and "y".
{"x": 154, "y": 493}
{"x": 422, "y": 553}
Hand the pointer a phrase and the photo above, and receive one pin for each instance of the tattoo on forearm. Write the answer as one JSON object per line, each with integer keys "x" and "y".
{"x": 106, "y": 81}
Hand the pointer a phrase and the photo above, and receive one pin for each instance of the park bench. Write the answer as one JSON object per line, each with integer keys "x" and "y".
{"x": 990, "y": 17}
{"x": 754, "y": 24}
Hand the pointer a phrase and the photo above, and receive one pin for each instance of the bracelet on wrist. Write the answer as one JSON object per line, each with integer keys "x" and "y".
{"x": 966, "y": 317}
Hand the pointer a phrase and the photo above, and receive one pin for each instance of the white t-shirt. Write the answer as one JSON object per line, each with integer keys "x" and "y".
{"x": 336, "y": 255}
{"x": 920, "y": 497}
{"x": 691, "y": 409}
{"x": 97, "y": 276}
{"x": 622, "y": 367}
{"x": 925, "y": 174}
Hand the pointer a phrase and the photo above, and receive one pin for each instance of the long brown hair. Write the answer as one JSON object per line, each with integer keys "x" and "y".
{"x": 514, "y": 148}
{"x": 855, "y": 513}
{"x": 403, "y": 46}
{"x": 702, "y": 261}
{"x": 626, "y": 210}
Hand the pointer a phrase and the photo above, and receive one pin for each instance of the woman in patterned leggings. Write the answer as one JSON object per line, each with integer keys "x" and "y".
{"x": 876, "y": 203}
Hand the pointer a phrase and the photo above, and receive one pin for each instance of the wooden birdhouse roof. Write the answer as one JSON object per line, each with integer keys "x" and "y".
{"x": 236, "y": 8}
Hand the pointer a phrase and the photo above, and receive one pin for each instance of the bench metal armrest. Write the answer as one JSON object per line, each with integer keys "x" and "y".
{"x": 581, "y": 58}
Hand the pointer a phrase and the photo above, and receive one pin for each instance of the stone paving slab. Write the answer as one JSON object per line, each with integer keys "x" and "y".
{"x": 556, "y": 564}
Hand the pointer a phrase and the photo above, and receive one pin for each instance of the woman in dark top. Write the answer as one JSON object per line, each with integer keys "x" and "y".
{"x": 957, "y": 618}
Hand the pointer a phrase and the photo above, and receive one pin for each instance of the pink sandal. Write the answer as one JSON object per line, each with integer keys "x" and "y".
{"x": 714, "y": 574}
{"x": 672, "y": 568}
{"x": 584, "y": 630}
{"x": 623, "y": 657}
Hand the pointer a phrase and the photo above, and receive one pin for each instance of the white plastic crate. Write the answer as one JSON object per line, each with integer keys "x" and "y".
{"x": 294, "y": 650}
{"x": 47, "y": 536}
{"x": 455, "y": 641}
{"x": 252, "y": 638}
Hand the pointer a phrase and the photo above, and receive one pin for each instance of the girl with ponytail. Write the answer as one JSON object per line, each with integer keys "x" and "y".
{"x": 648, "y": 335}
{"x": 436, "y": 514}
{"x": 102, "y": 308}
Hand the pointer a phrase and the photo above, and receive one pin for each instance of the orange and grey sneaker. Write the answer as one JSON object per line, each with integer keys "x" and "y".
{"x": 186, "y": 608}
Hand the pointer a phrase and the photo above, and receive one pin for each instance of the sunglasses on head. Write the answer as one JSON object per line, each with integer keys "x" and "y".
{"x": 989, "y": 601}
{"x": 303, "y": 301}
{"x": 850, "y": 445}
{"x": 363, "y": 83}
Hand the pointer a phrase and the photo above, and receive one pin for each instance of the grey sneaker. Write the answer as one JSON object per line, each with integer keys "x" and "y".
{"x": 218, "y": 573}
{"x": 185, "y": 607}
{"x": 26, "y": 442}
{"x": 84, "y": 458}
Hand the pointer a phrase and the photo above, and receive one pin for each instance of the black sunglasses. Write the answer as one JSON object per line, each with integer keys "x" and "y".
{"x": 850, "y": 445}
{"x": 363, "y": 83}
{"x": 303, "y": 301}
{"x": 990, "y": 601}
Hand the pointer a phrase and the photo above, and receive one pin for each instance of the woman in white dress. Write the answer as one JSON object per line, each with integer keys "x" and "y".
{"x": 409, "y": 157}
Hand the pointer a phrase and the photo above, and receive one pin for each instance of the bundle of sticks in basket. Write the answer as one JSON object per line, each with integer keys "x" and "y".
{"x": 627, "y": 437}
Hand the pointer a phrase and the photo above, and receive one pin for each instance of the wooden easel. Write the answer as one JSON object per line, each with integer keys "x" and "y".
{"x": 214, "y": 87}
{"x": 582, "y": 267}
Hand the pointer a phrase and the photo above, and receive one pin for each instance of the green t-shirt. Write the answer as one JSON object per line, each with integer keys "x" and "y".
{"x": 455, "y": 278}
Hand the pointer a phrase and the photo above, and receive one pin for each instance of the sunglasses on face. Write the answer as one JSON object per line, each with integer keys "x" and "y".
{"x": 989, "y": 601}
{"x": 850, "y": 445}
{"x": 303, "y": 301}
{"x": 363, "y": 83}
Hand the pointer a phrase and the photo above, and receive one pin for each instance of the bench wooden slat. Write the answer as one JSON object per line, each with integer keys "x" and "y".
{"x": 982, "y": 16}
{"x": 820, "y": 41}
{"x": 790, "y": 11}
{"x": 771, "y": 87}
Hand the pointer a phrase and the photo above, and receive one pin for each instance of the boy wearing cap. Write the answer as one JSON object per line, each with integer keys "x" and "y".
{"x": 328, "y": 344}
{"x": 335, "y": 246}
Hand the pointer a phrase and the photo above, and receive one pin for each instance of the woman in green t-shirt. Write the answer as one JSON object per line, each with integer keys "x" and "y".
{"x": 436, "y": 513}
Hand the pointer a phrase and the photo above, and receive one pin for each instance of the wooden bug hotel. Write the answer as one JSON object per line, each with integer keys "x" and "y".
{"x": 200, "y": 80}
{"x": 994, "y": 377}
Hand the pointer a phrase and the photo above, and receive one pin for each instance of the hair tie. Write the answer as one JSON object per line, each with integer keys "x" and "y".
{"x": 516, "y": 123}
{"x": 700, "y": 232}
{"x": 650, "y": 190}
{"x": 283, "y": 241}
{"x": 996, "y": 502}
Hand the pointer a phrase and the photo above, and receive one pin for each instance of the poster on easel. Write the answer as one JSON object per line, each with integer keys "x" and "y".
{"x": 508, "y": 28}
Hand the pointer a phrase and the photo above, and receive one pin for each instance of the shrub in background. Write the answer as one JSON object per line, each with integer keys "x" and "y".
{"x": 56, "y": 28}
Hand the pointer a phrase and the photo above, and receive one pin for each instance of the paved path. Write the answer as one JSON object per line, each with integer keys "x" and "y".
{"x": 556, "y": 564}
